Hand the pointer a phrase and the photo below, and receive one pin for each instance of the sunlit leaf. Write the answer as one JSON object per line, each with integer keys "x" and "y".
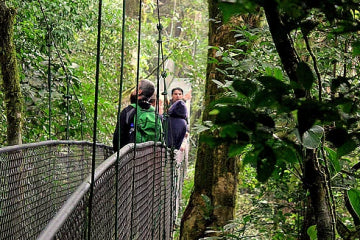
{"x": 312, "y": 232}
{"x": 214, "y": 112}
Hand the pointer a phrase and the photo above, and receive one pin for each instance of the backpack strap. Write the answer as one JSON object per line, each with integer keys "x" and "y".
{"x": 130, "y": 115}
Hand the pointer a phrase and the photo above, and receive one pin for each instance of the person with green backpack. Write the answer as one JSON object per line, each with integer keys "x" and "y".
{"x": 142, "y": 125}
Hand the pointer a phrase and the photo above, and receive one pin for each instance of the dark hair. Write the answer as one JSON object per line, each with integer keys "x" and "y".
{"x": 147, "y": 87}
{"x": 177, "y": 88}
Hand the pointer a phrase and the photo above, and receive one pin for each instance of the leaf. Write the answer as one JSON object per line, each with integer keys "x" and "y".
{"x": 346, "y": 148}
{"x": 274, "y": 84}
{"x": 356, "y": 48}
{"x": 236, "y": 149}
{"x": 312, "y": 137}
{"x": 218, "y": 83}
{"x": 312, "y": 232}
{"x": 354, "y": 198}
{"x": 305, "y": 75}
{"x": 333, "y": 159}
{"x": 265, "y": 164}
{"x": 337, "y": 136}
{"x": 214, "y": 112}
{"x": 286, "y": 153}
{"x": 307, "y": 114}
{"x": 232, "y": 8}
{"x": 265, "y": 120}
{"x": 246, "y": 87}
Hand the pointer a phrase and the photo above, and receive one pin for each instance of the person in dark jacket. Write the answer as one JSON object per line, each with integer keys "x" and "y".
{"x": 146, "y": 90}
{"x": 177, "y": 124}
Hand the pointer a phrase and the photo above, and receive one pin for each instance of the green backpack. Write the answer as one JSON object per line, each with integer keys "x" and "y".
{"x": 147, "y": 128}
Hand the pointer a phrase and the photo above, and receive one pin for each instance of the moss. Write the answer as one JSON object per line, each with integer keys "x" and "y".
{"x": 10, "y": 75}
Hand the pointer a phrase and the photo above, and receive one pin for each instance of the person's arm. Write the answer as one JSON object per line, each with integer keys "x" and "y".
{"x": 124, "y": 130}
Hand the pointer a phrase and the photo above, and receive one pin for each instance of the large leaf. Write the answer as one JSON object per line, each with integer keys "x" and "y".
{"x": 246, "y": 87}
{"x": 265, "y": 164}
{"x": 346, "y": 148}
{"x": 312, "y": 137}
{"x": 312, "y": 232}
{"x": 286, "y": 153}
{"x": 354, "y": 198}
{"x": 337, "y": 136}
{"x": 307, "y": 114}
{"x": 274, "y": 84}
{"x": 305, "y": 75}
{"x": 332, "y": 156}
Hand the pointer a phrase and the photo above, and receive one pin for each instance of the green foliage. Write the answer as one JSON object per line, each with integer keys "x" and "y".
{"x": 312, "y": 232}
{"x": 259, "y": 116}
{"x": 305, "y": 75}
{"x": 73, "y": 29}
{"x": 354, "y": 198}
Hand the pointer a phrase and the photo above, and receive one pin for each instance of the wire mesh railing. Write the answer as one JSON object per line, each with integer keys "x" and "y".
{"x": 36, "y": 179}
{"x": 145, "y": 199}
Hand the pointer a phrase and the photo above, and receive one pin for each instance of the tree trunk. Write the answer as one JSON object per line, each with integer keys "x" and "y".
{"x": 314, "y": 178}
{"x": 283, "y": 44}
{"x": 10, "y": 75}
{"x": 315, "y": 181}
{"x": 13, "y": 102}
{"x": 212, "y": 202}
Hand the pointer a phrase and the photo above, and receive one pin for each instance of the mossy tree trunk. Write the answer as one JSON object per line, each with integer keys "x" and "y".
{"x": 10, "y": 75}
{"x": 212, "y": 202}
{"x": 13, "y": 103}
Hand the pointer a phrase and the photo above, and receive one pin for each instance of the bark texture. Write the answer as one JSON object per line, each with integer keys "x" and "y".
{"x": 212, "y": 202}
{"x": 10, "y": 75}
{"x": 283, "y": 44}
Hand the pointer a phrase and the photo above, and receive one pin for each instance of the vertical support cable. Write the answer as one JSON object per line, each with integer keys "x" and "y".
{"x": 136, "y": 116}
{"x": 118, "y": 120}
{"x": 48, "y": 44}
{"x": 92, "y": 184}
{"x": 67, "y": 96}
{"x": 159, "y": 41}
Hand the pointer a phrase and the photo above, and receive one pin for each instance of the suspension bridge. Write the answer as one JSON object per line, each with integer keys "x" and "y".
{"x": 64, "y": 189}
{"x": 45, "y": 191}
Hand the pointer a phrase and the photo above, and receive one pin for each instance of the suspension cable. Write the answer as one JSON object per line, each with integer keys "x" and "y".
{"x": 136, "y": 116}
{"x": 92, "y": 184}
{"x": 49, "y": 77}
{"x": 118, "y": 119}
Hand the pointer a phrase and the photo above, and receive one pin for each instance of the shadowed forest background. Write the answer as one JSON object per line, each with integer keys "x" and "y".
{"x": 274, "y": 110}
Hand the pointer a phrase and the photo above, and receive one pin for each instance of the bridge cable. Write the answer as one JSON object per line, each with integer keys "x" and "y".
{"x": 92, "y": 184}
{"x": 136, "y": 116}
{"x": 118, "y": 119}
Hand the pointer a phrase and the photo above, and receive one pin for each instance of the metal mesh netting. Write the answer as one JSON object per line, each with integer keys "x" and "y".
{"x": 145, "y": 199}
{"x": 36, "y": 179}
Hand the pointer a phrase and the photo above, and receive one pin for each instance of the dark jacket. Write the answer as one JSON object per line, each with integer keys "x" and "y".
{"x": 176, "y": 122}
{"x": 125, "y": 126}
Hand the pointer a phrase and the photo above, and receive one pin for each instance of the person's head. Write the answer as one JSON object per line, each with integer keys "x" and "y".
{"x": 146, "y": 89}
{"x": 177, "y": 94}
